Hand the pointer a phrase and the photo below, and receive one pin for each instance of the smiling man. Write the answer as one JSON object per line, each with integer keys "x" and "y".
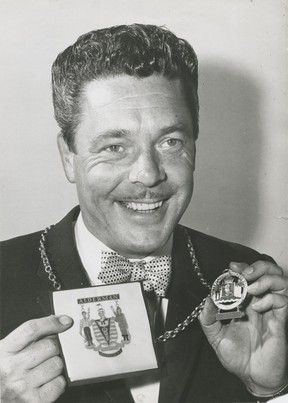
{"x": 126, "y": 101}
{"x": 132, "y": 160}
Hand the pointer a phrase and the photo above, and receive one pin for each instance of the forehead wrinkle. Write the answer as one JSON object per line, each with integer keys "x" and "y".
{"x": 137, "y": 108}
{"x": 146, "y": 97}
{"x": 141, "y": 95}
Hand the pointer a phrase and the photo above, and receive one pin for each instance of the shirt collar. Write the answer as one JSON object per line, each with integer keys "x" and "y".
{"x": 89, "y": 249}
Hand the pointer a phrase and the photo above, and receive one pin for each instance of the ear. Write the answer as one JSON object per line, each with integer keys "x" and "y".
{"x": 67, "y": 158}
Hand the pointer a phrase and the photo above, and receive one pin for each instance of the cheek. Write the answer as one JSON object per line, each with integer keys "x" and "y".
{"x": 183, "y": 160}
{"x": 189, "y": 157}
{"x": 180, "y": 170}
{"x": 102, "y": 179}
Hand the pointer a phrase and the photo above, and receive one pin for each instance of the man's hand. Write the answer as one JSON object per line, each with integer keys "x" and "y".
{"x": 254, "y": 348}
{"x": 30, "y": 366}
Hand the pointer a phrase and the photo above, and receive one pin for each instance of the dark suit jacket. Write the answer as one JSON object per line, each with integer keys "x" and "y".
{"x": 192, "y": 372}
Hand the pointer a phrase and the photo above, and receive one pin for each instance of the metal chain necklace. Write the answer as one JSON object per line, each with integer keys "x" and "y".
{"x": 169, "y": 334}
{"x": 47, "y": 267}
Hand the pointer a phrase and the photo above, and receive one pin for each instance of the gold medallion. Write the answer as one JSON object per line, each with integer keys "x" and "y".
{"x": 228, "y": 292}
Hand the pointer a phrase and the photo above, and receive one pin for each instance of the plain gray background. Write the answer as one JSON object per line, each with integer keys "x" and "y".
{"x": 241, "y": 191}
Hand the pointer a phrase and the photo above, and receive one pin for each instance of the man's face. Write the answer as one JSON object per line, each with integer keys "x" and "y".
{"x": 134, "y": 161}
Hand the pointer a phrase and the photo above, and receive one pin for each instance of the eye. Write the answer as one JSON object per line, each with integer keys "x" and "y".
{"x": 114, "y": 148}
{"x": 172, "y": 142}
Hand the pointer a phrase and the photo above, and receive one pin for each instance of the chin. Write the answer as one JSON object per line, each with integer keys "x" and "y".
{"x": 143, "y": 248}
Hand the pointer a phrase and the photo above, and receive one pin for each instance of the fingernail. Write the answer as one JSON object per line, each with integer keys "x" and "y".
{"x": 65, "y": 320}
{"x": 248, "y": 270}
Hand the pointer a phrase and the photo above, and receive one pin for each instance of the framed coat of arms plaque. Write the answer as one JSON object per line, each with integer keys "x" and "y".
{"x": 111, "y": 335}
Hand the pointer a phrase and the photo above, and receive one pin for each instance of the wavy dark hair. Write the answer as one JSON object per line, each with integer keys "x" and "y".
{"x": 136, "y": 50}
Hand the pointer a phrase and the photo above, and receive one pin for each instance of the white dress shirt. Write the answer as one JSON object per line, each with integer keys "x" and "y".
{"x": 145, "y": 388}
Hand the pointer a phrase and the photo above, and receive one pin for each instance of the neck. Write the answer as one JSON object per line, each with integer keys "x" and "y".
{"x": 93, "y": 240}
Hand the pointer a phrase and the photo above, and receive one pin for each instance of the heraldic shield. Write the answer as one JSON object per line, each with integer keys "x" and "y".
{"x": 111, "y": 335}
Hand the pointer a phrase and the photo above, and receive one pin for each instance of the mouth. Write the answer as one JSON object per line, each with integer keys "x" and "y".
{"x": 142, "y": 207}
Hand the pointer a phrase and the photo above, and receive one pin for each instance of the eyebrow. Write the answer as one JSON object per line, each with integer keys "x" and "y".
{"x": 177, "y": 127}
{"x": 111, "y": 134}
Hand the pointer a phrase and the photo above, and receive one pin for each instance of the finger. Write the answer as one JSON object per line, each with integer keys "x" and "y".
{"x": 32, "y": 330}
{"x": 238, "y": 266}
{"x": 273, "y": 283}
{"x": 211, "y": 327}
{"x": 207, "y": 316}
{"x": 260, "y": 268}
{"x": 52, "y": 390}
{"x": 257, "y": 269}
{"x": 270, "y": 301}
{"x": 45, "y": 372}
{"x": 38, "y": 352}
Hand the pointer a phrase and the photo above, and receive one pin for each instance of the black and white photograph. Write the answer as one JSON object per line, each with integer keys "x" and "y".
{"x": 144, "y": 201}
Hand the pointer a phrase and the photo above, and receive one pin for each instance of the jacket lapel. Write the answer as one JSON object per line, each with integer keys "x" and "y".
{"x": 64, "y": 259}
{"x": 185, "y": 293}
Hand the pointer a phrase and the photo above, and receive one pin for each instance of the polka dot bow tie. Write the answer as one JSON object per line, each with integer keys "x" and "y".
{"x": 155, "y": 274}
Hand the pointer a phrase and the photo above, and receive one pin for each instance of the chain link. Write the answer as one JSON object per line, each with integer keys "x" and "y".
{"x": 47, "y": 267}
{"x": 169, "y": 334}
{"x": 195, "y": 261}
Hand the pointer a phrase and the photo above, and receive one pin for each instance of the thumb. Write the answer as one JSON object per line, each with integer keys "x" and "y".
{"x": 211, "y": 327}
{"x": 207, "y": 316}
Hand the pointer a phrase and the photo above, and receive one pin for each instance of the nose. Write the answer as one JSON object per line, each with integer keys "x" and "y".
{"x": 147, "y": 169}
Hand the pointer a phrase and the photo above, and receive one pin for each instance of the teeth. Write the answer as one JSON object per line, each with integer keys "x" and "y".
{"x": 147, "y": 207}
